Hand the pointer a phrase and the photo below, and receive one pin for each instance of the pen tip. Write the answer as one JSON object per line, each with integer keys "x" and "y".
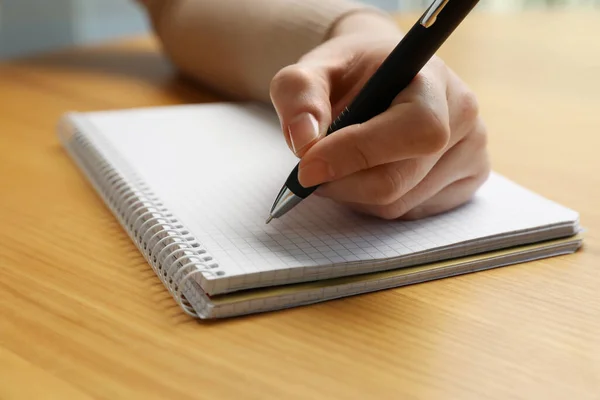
{"x": 269, "y": 219}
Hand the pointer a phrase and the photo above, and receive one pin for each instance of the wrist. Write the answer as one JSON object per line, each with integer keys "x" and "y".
{"x": 369, "y": 22}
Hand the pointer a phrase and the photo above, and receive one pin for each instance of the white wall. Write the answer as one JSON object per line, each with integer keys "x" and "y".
{"x": 30, "y": 26}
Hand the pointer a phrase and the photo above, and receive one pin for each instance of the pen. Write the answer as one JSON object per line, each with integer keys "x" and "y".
{"x": 394, "y": 75}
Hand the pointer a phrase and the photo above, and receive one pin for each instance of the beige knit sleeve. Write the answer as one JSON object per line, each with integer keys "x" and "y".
{"x": 236, "y": 46}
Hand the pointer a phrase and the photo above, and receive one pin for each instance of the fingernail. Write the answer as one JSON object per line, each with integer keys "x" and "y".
{"x": 303, "y": 130}
{"x": 315, "y": 172}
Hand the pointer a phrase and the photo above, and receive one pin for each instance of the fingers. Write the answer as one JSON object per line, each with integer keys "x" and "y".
{"x": 466, "y": 162}
{"x": 300, "y": 94}
{"x": 453, "y": 180}
{"x": 449, "y": 198}
{"x": 381, "y": 185}
{"x": 462, "y": 106}
{"x": 417, "y": 124}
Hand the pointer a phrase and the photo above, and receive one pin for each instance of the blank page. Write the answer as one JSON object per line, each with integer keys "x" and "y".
{"x": 218, "y": 168}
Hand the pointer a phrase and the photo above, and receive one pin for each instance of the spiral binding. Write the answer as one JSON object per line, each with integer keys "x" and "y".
{"x": 173, "y": 253}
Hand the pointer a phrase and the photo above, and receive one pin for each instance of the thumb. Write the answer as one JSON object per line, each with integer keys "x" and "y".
{"x": 300, "y": 95}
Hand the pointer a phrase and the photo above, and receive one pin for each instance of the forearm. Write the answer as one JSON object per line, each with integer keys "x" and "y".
{"x": 236, "y": 47}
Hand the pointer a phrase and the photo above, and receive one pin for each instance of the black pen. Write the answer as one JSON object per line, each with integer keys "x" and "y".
{"x": 397, "y": 71}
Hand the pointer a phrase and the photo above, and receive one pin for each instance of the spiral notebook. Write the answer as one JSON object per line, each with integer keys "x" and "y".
{"x": 192, "y": 186}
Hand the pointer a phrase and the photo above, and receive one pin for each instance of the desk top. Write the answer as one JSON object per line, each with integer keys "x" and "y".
{"x": 84, "y": 317}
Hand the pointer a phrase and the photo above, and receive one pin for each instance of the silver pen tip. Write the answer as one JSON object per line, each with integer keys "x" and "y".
{"x": 285, "y": 201}
{"x": 269, "y": 219}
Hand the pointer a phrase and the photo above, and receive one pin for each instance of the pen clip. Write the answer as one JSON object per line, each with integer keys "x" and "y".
{"x": 432, "y": 12}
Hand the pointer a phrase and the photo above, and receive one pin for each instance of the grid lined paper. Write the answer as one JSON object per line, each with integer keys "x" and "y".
{"x": 218, "y": 168}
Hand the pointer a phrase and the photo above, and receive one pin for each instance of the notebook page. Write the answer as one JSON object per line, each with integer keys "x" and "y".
{"x": 218, "y": 168}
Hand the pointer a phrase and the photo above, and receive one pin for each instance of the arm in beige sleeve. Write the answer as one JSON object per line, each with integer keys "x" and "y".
{"x": 237, "y": 46}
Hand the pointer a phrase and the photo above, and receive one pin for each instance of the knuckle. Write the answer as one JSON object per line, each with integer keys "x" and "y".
{"x": 435, "y": 133}
{"x": 468, "y": 106}
{"x": 277, "y": 82}
{"x": 437, "y": 64}
{"x": 481, "y": 174}
{"x": 386, "y": 188}
{"x": 360, "y": 151}
{"x": 392, "y": 211}
{"x": 290, "y": 79}
{"x": 387, "y": 213}
{"x": 478, "y": 137}
{"x": 393, "y": 181}
{"x": 481, "y": 139}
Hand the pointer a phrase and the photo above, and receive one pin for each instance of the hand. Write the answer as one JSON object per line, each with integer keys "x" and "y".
{"x": 425, "y": 155}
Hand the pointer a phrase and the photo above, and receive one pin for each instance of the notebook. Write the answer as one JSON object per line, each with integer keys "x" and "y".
{"x": 192, "y": 186}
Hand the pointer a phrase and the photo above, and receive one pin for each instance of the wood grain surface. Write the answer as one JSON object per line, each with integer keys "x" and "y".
{"x": 83, "y": 317}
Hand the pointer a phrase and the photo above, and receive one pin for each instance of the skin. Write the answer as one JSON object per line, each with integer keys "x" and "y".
{"x": 425, "y": 155}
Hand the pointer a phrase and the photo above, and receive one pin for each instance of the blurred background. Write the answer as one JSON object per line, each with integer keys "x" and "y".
{"x": 32, "y": 26}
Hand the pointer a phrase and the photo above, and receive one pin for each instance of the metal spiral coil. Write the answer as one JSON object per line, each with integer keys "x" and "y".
{"x": 172, "y": 252}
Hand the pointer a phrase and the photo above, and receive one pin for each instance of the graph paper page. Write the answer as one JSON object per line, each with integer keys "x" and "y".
{"x": 218, "y": 168}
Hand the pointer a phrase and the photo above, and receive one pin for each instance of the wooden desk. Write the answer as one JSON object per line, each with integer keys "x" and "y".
{"x": 82, "y": 315}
